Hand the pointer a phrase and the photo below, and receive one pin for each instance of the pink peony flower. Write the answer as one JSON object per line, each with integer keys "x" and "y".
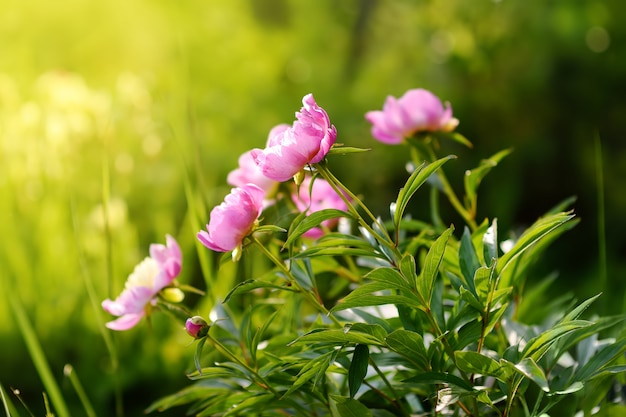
{"x": 234, "y": 219}
{"x": 321, "y": 196}
{"x": 150, "y": 276}
{"x": 249, "y": 172}
{"x": 289, "y": 149}
{"x": 312, "y": 125}
{"x": 417, "y": 110}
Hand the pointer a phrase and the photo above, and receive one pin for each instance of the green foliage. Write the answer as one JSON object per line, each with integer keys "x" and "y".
{"x": 431, "y": 330}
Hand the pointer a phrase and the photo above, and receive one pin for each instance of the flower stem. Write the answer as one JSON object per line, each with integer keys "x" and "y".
{"x": 385, "y": 380}
{"x": 350, "y": 198}
{"x": 317, "y": 302}
{"x": 447, "y": 189}
{"x": 259, "y": 380}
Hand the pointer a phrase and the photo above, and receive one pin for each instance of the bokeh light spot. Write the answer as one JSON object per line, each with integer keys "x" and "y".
{"x": 598, "y": 39}
{"x": 124, "y": 163}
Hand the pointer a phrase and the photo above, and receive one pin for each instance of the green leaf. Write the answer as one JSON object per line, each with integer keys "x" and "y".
{"x": 341, "y": 150}
{"x": 375, "y": 330}
{"x": 409, "y": 318}
{"x": 350, "y": 408}
{"x": 410, "y": 345}
{"x": 595, "y": 365}
{"x": 576, "y": 312}
{"x": 365, "y": 300}
{"x": 471, "y": 299}
{"x": 253, "y": 400}
{"x": 613, "y": 369}
{"x": 490, "y": 242}
{"x": 311, "y": 368}
{"x": 269, "y": 228}
{"x": 437, "y": 303}
{"x": 312, "y": 220}
{"x": 417, "y": 178}
{"x": 538, "y": 345}
{"x": 374, "y": 319}
{"x": 426, "y": 281}
{"x": 482, "y": 280}
{"x": 470, "y": 332}
{"x": 217, "y": 404}
{"x": 196, "y": 357}
{"x": 468, "y": 259}
{"x": 303, "y": 273}
{"x": 563, "y": 205}
{"x": 365, "y": 296}
{"x": 259, "y": 335}
{"x": 339, "y": 251}
{"x": 391, "y": 277}
{"x": 198, "y": 391}
{"x": 457, "y": 137}
{"x": 576, "y": 336}
{"x": 293, "y": 225}
{"x": 338, "y": 337}
{"x": 339, "y": 239}
{"x": 529, "y": 369}
{"x": 474, "y": 177}
{"x": 250, "y": 285}
{"x": 409, "y": 271}
{"x": 440, "y": 378}
{"x": 476, "y": 363}
{"x": 516, "y": 271}
{"x": 540, "y": 229}
{"x": 575, "y": 387}
{"x": 217, "y": 372}
{"x": 358, "y": 368}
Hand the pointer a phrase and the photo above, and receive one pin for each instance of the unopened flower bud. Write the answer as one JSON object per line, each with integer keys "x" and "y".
{"x": 197, "y": 327}
{"x": 173, "y": 295}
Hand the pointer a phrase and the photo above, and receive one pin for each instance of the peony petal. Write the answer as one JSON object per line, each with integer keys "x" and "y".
{"x": 233, "y": 220}
{"x": 417, "y": 110}
{"x": 125, "y": 322}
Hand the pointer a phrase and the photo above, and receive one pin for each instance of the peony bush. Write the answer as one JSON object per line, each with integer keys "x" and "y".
{"x": 377, "y": 314}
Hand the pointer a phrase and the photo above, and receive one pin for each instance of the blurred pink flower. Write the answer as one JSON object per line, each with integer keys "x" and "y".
{"x": 289, "y": 149}
{"x": 417, "y": 110}
{"x": 234, "y": 219}
{"x": 150, "y": 276}
{"x": 321, "y": 196}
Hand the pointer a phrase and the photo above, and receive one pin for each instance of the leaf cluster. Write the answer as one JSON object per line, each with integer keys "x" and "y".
{"x": 403, "y": 318}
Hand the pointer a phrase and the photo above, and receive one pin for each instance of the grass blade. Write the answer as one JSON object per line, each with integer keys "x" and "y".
{"x": 80, "y": 391}
{"x": 97, "y": 310}
{"x": 36, "y": 353}
{"x": 5, "y": 402}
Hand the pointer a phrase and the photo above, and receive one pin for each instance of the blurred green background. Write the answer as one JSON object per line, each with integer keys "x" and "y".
{"x": 119, "y": 102}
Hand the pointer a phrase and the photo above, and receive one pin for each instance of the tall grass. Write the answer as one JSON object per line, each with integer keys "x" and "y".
{"x": 36, "y": 352}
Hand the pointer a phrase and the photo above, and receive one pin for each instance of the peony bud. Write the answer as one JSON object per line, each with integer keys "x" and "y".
{"x": 197, "y": 327}
{"x": 173, "y": 295}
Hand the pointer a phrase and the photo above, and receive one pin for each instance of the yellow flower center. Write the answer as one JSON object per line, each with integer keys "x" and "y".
{"x": 144, "y": 274}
